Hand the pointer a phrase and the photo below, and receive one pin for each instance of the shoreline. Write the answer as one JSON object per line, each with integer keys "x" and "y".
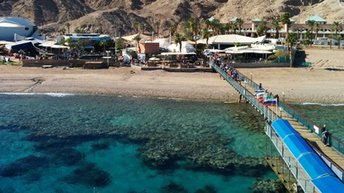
{"x": 299, "y": 85}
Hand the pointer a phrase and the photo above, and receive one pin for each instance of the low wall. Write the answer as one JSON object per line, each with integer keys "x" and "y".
{"x": 259, "y": 65}
{"x": 53, "y": 63}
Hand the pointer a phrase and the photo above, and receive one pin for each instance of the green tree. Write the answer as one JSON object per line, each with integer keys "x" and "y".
{"x": 206, "y": 36}
{"x": 276, "y": 26}
{"x": 178, "y": 40}
{"x": 157, "y": 27}
{"x": 194, "y": 26}
{"x": 138, "y": 38}
{"x": 316, "y": 28}
{"x": 136, "y": 27}
{"x": 119, "y": 44}
{"x": 262, "y": 28}
{"x": 239, "y": 22}
{"x": 62, "y": 31}
{"x": 336, "y": 26}
{"x": 233, "y": 26}
{"x": 291, "y": 40}
{"x": 285, "y": 20}
{"x": 68, "y": 27}
{"x": 215, "y": 26}
{"x": 142, "y": 27}
{"x": 173, "y": 27}
{"x": 311, "y": 25}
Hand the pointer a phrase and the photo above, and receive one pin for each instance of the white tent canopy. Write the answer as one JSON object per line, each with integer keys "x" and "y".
{"x": 131, "y": 38}
{"x": 256, "y": 49}
{"x": 163, "y": 42}
{"x": 231, "y": 39}
{"x": 186, "y": 48}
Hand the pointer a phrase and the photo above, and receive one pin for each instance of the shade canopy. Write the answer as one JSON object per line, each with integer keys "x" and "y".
{"x": 231, "y": 39}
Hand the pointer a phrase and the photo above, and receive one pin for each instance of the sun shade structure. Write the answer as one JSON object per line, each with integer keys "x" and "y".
{"x": 232, "y": 39}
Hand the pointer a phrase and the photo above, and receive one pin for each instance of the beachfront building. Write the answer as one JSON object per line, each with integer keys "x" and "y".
{"x": 17, "y": 28}
{"x": 315, "y": 25}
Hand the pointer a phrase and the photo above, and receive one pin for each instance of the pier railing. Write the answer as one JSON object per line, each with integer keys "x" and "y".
{"x": 268, "y": 114}
{"x": 334, "y": 141}
{"x": 291, "y": 162}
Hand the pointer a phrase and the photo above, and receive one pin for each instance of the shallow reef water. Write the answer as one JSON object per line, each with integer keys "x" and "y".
{"x": 124, "y": 144}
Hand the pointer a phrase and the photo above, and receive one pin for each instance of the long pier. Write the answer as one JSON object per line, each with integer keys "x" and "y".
{"x": 332, "y": 156}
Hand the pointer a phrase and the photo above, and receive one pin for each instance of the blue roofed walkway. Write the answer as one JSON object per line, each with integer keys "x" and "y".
{"x": 331, "y": 157}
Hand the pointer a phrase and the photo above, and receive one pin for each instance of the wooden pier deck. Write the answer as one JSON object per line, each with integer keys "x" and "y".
{"x": 310, "y": 137}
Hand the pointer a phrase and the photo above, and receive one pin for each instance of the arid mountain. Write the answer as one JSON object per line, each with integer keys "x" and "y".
{"x": 118, "y": 17}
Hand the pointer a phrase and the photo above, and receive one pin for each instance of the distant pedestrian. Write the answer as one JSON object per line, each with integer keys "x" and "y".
{"x": 260, "y": 87}
{"x": 324, "y": 135}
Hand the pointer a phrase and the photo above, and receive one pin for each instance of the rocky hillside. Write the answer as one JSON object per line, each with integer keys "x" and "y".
{"x": 124, "y": 16}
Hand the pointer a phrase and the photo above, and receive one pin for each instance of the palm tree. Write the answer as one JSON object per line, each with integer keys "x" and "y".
{"x": 291, "y": 40}
{"x": 336, "y": 26}
{"x": 206, "y": 35}
{"x": 276, "y": 25}
{"x": 239, "y": 22}
{"x": 285, "y": 20}
{"x": 173, "y": 27}
{"x": 138, "y": 38}
{"x": 62, "y": 31}
{"x": 194, "y": 28}
{"x": 136, "y": 27}
{"x": 311, "y": 25}
{"x": 215, "y": 25}
{"x": 68, "y": 27}
{"x": 142, "y": 27}
{"x": 233, "y": 26}
{"x": 178, "y": 40}
{"x": 316, "y": 26}
{"x": 157, "y": 27}
{"x": 262, "y": 28}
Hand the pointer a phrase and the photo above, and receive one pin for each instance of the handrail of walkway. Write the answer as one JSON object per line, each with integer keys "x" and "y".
{"x": 271, "y": 116}
{"x": 291, "y": 162}
{"x": 268, "y": 114}
{"x": 334, "y": 141}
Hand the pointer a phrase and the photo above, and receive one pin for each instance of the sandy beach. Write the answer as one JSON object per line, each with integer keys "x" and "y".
{"x": 299, "y": 84}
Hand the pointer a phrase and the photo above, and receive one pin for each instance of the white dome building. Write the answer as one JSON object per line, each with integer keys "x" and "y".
{"x": 12, "y": 28}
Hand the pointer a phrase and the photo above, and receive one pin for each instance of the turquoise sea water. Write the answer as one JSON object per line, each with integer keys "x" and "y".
{"x": 330, "y": 115}
{"x": 128, "y": 145}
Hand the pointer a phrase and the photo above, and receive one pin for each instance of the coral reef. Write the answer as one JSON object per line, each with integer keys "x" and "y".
{"x": 23, "y": 166}
{"x": 268, "y": 186}
{"x": 88, "y": 174}
{"x": 172, "y": 187}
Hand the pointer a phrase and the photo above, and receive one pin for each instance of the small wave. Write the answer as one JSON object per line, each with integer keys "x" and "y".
{"x": 30, "y": 94}
{"x": 324, "y": 105}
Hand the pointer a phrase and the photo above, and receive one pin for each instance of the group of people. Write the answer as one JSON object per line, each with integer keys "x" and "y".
{"x": 231, "y": 72}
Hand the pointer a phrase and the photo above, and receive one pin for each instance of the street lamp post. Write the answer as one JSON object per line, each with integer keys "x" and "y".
{"x": 283, "y": 97}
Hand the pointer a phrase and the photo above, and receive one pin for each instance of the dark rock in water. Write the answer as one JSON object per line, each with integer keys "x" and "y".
{"x": 173, "y": 188}
{"x": 100, "y": 146}
{"x": 67, "y": 157}
{"x": 23, "y": 166}
{"x": 89, "y": 175}
{"x": 51, "y": 145}
{"x": 268, "y": 186}
{"x": 207, "y": 189}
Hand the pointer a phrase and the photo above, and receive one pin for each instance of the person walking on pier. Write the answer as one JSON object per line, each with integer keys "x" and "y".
{"x": 324, "y": 135}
